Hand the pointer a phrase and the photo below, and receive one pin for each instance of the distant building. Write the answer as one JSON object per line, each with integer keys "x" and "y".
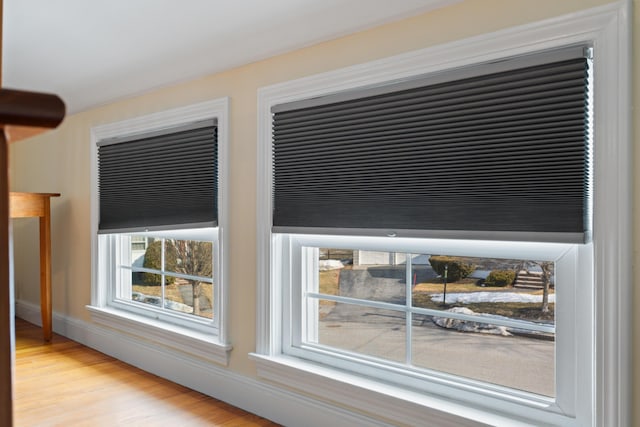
{"x": 387, "y": 258}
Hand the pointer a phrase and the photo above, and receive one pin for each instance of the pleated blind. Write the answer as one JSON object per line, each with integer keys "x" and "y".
{"x": 162, "y": 180}
{"x": 500, "y": 152}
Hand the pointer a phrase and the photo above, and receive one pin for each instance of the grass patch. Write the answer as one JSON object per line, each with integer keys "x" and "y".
{"x": 464, "y": 285}
{"x": 329, "y": 283}
{"x": 470, "y": 285}
{"x": 514, "y": 310}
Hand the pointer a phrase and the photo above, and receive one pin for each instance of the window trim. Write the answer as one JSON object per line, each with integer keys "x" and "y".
{"x": 212, "y": 347}
{"x": 603, "y": 382}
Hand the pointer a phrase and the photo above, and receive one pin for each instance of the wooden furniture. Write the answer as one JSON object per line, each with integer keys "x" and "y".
{"x": 18, "y": 110}
{"x": 42, "y": 109}
{"x": 25, "y": 205}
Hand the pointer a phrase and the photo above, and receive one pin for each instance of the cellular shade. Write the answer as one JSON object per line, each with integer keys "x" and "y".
{"x": 164, "y": 180}
{"x": 501, "y": 151}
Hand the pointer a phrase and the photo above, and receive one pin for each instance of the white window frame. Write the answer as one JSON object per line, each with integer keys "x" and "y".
{"x": 567, "y": 258}
{"x": 602, "y": 381}
{"x": 119, "y": 245}
{"x": 194, "y": 336}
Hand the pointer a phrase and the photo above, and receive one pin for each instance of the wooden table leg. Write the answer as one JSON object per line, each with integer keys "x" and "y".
{"x": 45, "y": 270}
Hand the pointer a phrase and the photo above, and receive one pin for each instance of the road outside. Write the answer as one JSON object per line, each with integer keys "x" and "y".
{"x": 518, "y": 362}
{"x": 524, "y": 362}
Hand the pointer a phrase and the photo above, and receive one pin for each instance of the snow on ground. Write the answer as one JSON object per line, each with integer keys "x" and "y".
{"x": 157, "y": 301}
{"x": 329, "y": 264}
{"x": 469, "y": 326}
{"x": 476, "y": 297}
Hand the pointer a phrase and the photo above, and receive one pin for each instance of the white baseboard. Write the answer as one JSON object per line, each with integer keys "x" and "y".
{"x": 274, "y": 403}
{"x": 29, "y": 312}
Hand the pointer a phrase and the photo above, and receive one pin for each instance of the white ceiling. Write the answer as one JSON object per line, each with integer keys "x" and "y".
{"x": 91, "y": 52}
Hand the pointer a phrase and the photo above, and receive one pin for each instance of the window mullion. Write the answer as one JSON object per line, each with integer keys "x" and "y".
{"x": 358, "y": 301}
{"x": 173, "y": 274}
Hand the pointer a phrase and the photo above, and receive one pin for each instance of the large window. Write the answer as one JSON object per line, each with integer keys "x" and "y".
{"x": 430, "y": 233}
{"x": 160, "y": 214}
{"x": 493, "y": 152}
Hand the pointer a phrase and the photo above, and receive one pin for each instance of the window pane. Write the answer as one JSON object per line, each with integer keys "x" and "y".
{"x": 517, "y": 289}
{"x": 146, "y": 252}
{"x": 190, "y": 257}
{"x": 365, "y": 330}
{"x": 189, "y": 296}
{"x": 368, "y": 275}
{"x": 520, "y": 355}
{"x": 521, "y": 361}
{"x": 146, "y": 288}
{"x": 485, "y": 288}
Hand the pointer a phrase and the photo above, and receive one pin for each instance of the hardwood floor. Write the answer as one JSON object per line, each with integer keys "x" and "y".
{"x": 67, "y": 384}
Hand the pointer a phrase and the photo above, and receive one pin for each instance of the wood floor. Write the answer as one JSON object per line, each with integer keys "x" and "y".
{"x": 67, "y": 384}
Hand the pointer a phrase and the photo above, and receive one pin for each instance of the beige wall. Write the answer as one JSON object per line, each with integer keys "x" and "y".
{"x": 60, "y": 161}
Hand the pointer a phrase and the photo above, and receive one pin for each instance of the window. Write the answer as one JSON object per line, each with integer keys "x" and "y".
{"x": 492, "y": 151}
{"x": 160, "y": 217}
{"x": 173, "y": 275}
{"x": 429, "y": 315}
{"x": 362, "y": 219}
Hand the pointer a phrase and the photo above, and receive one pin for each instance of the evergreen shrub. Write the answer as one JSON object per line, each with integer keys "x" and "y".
{"x": 457, "y": 268}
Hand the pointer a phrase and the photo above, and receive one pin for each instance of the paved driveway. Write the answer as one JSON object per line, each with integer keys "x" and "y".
{"x": 519, "y": 362}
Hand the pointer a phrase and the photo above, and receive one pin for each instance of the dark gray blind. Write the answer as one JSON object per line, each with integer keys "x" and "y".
{"x": 163, "y": 180}
{"x": 497, "y": 154}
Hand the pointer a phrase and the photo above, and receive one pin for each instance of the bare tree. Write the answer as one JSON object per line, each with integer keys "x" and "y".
{"x": 546, "y": 267}
{"x": 194, "y": 258}
{"x": 547, "y": 271}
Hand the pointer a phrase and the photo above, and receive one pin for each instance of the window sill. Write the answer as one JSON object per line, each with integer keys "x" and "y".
{"x": 183, "y": 340}
{"x": 402, "y": 405}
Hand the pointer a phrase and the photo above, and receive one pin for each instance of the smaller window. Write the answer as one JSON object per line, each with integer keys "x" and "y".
{"x": 163, "y": 180}
{"x": 159, "y": 215}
